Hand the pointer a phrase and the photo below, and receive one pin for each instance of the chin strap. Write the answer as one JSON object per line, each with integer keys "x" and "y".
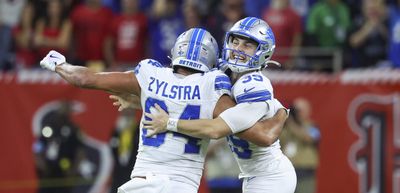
{"x": 271, "y": 62}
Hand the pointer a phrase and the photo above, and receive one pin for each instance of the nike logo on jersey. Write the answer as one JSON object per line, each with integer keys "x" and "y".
{"x": 248, "y": 90}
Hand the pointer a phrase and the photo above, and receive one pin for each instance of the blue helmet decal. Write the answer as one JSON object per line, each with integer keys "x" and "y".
{"x": 194, "y": 44}
{"x": 247, "y": 23}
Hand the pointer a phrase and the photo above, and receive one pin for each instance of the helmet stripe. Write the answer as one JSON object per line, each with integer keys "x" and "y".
{"x": 247, "y": 23}
{"x": 250, "y": 23}
{"x": 196, "y": 54}
{"x": 244, "y": 22}
{"x": 192, "y": 41}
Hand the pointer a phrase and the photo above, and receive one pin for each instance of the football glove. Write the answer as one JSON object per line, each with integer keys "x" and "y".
{"x": 52, "y": 59}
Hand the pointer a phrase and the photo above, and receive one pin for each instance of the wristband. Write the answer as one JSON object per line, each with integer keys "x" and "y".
{"x": 172, "y": 124}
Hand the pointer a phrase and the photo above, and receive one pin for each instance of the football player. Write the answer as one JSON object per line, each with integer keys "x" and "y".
{"x": 168, "y": 162}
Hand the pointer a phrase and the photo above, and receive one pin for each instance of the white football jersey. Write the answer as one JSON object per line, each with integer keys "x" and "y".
{"x": 183, "y": 97}
{"x": 253, "y": 160}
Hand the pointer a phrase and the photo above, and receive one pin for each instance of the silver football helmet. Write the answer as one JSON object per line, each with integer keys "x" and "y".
{"x": 256, "y": 30}
{"x": 195, "y": 48}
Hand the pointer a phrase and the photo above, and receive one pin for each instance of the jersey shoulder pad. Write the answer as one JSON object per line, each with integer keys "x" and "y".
{"x": 253, "y": 87}
{"x": 147, "y": 65}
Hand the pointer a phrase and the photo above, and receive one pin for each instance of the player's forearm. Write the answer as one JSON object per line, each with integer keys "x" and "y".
{"x": 276, "y": 123}
{"x": 204, "y": 128}
{"x": 76, "y": 75}
{"x": 266, "y": 132}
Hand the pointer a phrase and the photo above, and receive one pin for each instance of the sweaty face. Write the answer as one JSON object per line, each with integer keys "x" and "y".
{"x": 243, "y": 45}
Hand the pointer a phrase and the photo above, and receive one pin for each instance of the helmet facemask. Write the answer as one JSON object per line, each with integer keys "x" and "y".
{"x": 255, "y": 30}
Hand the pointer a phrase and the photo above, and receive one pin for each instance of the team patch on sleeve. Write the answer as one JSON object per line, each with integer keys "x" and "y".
{"x": 147, "y": 64}
{"x": 222, "y": 83}
{"x": 256, "y": 96}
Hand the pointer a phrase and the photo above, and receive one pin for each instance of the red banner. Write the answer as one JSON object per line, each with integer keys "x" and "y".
{"x": 25, "y": 98}
{"x": 358, "y": 113}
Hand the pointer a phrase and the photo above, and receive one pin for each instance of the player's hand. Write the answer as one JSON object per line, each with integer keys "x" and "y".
{"x": 51, "y": 60}
{"x": 274, "y": 105}
{"x": 278, "y": 105}
{"x": 158, "y": 123}
{"x": 125, "y": 101}
{"x": 120, "y": 102}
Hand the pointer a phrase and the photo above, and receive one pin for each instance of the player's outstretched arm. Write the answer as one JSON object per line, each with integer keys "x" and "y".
{"x": 232, "y": 120}
{"x": 201, "y": 128}
{"x": 115, "y": 82}
{"x": 229, "y": 119}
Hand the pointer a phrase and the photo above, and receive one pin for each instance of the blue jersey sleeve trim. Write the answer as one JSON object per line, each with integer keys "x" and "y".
{"x": 222, "y": 85}
{"x": 222, "y": 79}
{"x": 222, "y": 82}
{"x": 257, "y": 96}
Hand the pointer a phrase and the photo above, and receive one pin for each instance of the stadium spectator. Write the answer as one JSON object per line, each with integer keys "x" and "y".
{"x": 10, "y": 12}
{"x": 287, "y": 27}
{"x": 70, "y": 5}
{"x": 125, "y": 44}
{"x": 299, "y": 142}
{"x": 124, "y": 144}
{"x": 354, "y": 8}
{"x": 90, "y": 22}
{"x": 328, "y": 23}
{"x": 368, "y": 39}
{"x": 114, "y": 5}
{"x": 166, "y": 23}
{"x": 25, "y": 56}
{"x": 53, "y": 31}
{"x": 254, "y": 8}
{"x": 226, "y": 14}
{"x": 302, "y": 8}
{"x": 192, "y": 13}
{"x": 394, "y": 29}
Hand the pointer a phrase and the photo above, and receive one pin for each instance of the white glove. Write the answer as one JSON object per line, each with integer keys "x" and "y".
{"x": 51, "y": 60}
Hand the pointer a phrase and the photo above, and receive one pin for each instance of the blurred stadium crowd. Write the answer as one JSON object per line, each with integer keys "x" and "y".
{"x": 312, "y": 35}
